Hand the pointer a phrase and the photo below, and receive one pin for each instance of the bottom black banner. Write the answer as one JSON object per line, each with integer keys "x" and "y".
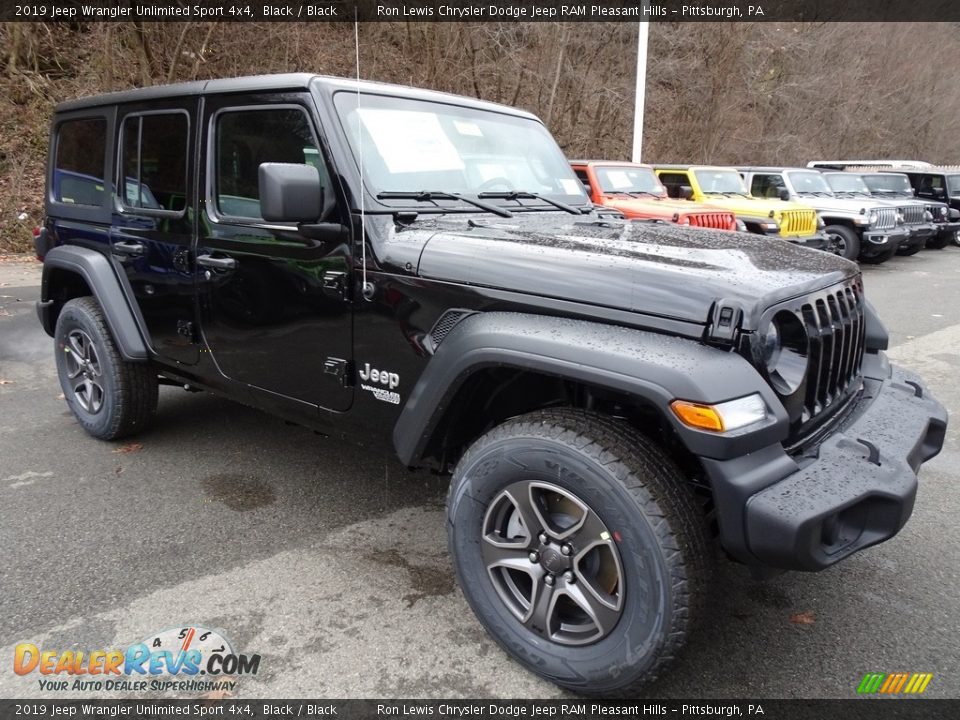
{"x": 872, "y": 709}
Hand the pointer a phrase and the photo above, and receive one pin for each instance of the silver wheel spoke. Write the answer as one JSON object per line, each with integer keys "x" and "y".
{"x": 514, "y": 556}
{"x": 602, "y": 614}
{"x": 532, "y": 521}
{"x": 541, "y": 608}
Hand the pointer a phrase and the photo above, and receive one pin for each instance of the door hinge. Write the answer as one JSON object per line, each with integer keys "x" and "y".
{"x": 185, "y": 329}
{"x": 335, "y": 284}
{"x": 340, "y": 369}
{"x": 181, "y": 260}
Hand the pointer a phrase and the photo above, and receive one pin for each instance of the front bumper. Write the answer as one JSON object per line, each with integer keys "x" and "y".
{"x": 855, "y": 489}
{"x": 947, "y": 231}
{"x": 818, "y": 241}
{"x": 882, "y": 242}
{"x": 922, "y": 232}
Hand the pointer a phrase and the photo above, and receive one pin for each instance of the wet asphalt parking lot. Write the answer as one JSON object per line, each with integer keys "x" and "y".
{"x": 330, "y": 559}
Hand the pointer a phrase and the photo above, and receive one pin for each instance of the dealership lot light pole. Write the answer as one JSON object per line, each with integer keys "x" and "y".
{"x": 642, "y": 37}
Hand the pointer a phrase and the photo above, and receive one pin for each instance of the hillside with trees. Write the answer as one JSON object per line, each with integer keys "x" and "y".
{"x": 717, "y": 92}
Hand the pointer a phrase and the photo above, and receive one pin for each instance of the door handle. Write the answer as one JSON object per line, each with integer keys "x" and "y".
{"x": 220, "y": 263}
{"x": 128, "y": 249}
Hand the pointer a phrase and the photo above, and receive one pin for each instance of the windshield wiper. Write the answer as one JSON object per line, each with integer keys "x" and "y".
{"x": 434, "y": 195}
{"x": 527, "y": 195}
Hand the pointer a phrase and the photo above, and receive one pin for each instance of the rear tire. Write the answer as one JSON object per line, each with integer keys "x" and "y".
{"x": 575, "y": 496}
{"x": 843, "y": 241}
{"x": 110, "y": 397}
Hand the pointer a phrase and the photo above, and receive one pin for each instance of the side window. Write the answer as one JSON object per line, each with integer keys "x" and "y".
{"x": 153, "y": 162}
{"x": 673, "y": 181}
{"x": 585, "y": 180}
{"x": 78, "y": 166}
{"x": 247, "y": 138}
{"x": 766, "y": 186}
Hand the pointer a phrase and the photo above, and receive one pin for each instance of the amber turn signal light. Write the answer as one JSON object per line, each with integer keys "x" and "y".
{"x": 703, "y": 417}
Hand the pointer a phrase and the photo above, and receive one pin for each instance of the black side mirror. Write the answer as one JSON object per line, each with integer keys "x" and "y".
{"x": 784, "y": 194}
{"x": 290, "y": 193}
{"x": 686, "y": 192}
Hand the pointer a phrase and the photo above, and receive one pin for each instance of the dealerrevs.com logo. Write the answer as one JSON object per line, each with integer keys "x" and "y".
{"x": 169, "y": 660}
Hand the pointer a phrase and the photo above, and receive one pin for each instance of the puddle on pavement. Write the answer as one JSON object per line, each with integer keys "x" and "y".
{"x": 237, "y": 491}
{"x": 426, "y": 581}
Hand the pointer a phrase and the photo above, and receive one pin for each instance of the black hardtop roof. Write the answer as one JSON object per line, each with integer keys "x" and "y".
{"x": 284, "y": 81}
{"x": 932, "y": 170}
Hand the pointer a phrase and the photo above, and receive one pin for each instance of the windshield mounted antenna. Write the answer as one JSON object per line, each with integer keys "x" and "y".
{"x": 367, "y": 288}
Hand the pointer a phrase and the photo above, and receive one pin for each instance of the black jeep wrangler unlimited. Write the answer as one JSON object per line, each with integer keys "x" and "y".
{"x": 614, "y": 399}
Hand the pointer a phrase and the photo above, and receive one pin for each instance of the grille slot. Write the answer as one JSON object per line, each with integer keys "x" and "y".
{"x": 835, "y": 333}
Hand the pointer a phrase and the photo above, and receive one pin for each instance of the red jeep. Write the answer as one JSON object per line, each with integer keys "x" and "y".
{"x": 636, "y": 191}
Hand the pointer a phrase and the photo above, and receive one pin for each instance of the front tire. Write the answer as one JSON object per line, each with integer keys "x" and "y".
{"x": 843, "y": 241}
{"x": 580, "y": 547}
{"x": 110, "y": 398}
{"x": 878, "y": 258}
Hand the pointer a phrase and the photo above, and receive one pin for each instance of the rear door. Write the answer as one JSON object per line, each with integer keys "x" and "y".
{"x": 273, "y": 302}
{"x": 154, "y": 211}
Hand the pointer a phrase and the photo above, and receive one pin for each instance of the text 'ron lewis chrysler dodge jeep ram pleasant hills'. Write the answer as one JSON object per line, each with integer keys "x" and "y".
{"x": 615, "y": 401}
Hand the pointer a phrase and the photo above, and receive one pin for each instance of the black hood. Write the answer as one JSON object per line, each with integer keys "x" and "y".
{"x": 647, "y": 267}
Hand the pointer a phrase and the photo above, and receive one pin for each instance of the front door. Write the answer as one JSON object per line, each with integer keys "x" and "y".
{"x": 153, "y": 216}
{"x": 273, "y": 302}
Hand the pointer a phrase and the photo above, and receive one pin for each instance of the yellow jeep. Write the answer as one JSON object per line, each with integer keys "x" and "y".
{"x": 723, "y": 187}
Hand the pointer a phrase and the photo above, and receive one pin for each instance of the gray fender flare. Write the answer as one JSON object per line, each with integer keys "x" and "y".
{"x": 652, "y": 367}
{"x": 96, "y": 270}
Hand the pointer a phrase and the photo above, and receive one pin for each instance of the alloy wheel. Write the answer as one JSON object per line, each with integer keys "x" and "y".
{"x": 83, "y": 371}
{"x": 553, "y": 562}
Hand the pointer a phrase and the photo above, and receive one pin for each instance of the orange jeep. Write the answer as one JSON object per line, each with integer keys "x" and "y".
{"x": 637, "y": 192}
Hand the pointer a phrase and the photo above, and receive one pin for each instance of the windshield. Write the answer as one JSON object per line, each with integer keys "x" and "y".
{"x": 809, "y": 182}
{"x": 720, "y": 181}
{"x": 888, "y": 182}
{"x": 414, "y": 146}
{"x": 623, "y": 179}
{"x": 953, "y": 184}
{"x": 847, "y": 182}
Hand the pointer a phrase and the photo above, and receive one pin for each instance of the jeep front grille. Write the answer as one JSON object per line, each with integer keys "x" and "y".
{"x": 717, "y": 220}
{"x": 835, "y": 331}
{"x": 798, "y": 222}
{"x": 886, "y": 218}
{"x": 913, "y": 214}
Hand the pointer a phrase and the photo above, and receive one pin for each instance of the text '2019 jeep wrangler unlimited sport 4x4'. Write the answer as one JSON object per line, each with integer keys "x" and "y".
{"x": 613, "y": 397}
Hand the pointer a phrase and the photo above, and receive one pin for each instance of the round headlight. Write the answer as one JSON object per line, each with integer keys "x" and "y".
{"x": 943, "y": 211}
{"x": 785, "y": 352}
{"x": 873, "y": 217}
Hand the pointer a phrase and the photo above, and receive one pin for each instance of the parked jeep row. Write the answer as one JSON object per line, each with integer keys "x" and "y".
{"x": 868, "y": 214}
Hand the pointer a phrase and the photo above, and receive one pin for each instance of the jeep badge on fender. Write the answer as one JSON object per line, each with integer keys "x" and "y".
{"x": 613, "y": 400}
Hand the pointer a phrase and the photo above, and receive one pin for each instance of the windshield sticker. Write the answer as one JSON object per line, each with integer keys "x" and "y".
{"x": 467, "y": 128}
{"x": 410, "y": 141}
{"x": 570, "y": 187}
{"x": 619, "y": 179}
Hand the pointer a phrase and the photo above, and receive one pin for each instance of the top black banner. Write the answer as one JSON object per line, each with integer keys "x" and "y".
{"x": 479, "y": 10}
